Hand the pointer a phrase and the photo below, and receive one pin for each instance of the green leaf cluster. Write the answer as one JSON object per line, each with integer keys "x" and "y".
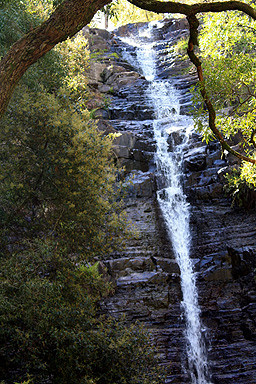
{"x": 240, "y": 186}
{"x": 227, "y": 49}
{"x": 57, "y": 178}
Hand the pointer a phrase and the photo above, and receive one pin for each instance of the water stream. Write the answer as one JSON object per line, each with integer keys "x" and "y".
{"x": 171, "y": 198}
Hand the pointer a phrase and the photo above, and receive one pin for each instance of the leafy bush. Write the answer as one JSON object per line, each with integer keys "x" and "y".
{"x": 57, "y": 179}
{"x": 49, "y": 331}
{"x": 242, "y": 187}
{"x": 60, "y": 206}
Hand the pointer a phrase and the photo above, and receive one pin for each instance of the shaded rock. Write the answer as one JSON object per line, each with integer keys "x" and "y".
{"x": 104, "y": 88}
{"x": 101, "y": 113}
{"x": 195, "y": 159}
{"x": 217, "y": 274}
{"x": 105, "y": 127}
{"x": 143, "y": 278}
{"x": 123, "y": 145}
{"x": 141, "y": 184}
{"x": 242, "y": 262}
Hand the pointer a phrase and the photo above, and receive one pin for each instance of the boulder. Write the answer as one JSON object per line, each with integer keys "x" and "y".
{"x": 95, "y": 73}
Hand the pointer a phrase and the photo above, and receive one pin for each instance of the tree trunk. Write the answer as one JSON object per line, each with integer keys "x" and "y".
{"x": 69, "y": 18}
{"x": 106, "y": 21}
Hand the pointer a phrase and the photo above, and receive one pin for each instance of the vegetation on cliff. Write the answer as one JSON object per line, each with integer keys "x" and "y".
{"x": 227, "y": 49}
{"x": 60, "y": 209}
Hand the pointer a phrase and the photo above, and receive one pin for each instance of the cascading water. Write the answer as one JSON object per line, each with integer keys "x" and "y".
{"x": 171, "y": 197}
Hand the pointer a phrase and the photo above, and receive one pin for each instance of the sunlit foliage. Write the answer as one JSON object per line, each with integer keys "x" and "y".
{"x": 129, "y": 13}
{"x": 122, "y": 12}
{"x": 227, "y": 48}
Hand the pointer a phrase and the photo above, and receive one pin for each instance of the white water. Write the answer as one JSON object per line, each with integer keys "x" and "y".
{"x": 171, "y": 197}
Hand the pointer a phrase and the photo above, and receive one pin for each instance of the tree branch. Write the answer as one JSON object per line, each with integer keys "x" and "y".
{"x": 68, "y": 18}
{"x": 189, "y": 10}
{"x": 193, "y": 25}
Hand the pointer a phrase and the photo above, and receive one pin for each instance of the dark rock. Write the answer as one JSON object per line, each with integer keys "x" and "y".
{"x": 141, "y": 184}
{"x": 223, "y": 247}
{"x": 101, "y": 113}
{"x": 242, "y": 262}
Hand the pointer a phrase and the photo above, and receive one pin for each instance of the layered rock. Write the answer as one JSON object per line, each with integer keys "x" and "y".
{"x": 145, "y": 274}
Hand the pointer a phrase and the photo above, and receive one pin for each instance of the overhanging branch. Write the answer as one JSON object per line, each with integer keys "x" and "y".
{"x": 193, "y": 9}
{"x": 193, "y": 26}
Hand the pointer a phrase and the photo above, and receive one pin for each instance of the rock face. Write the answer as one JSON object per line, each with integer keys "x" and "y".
{"x": 146, "y": 275}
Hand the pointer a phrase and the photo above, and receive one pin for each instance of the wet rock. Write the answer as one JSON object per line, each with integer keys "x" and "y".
{"x": 195, "y": 159}
{"x": 175, "y": 138}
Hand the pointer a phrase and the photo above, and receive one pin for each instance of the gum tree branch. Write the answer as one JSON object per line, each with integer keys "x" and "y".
{"x": 193, "y": 9}
{"x": 68, "y": 18}
{"x": 193, "y": 26}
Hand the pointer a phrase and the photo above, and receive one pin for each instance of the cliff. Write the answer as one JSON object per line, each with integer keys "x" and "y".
{"x": 146, "y": 275}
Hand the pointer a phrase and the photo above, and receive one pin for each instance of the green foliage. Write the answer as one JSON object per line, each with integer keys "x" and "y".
{"x": 180, "y": 48}
{"x": 14, "y": 21}
{"x": 77, "y": 57}
{"x": 16, "y": 18}
{"x": 57, "y": 177}
{"x": 49, "y": 331}
{"x": 123, "y": 12}
{"x": 241, "y": 187}
{"x": 227, "y": 49}
{"x": 111, "y": 10}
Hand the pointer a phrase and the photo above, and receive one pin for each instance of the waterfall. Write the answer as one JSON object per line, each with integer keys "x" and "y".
{"x": 171, "y": 198}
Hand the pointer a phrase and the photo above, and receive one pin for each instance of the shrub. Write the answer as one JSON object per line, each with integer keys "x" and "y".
{"x": 57, "y": 179}
{"x": 49, "y": 331}
{"x": 241, "y": 188}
